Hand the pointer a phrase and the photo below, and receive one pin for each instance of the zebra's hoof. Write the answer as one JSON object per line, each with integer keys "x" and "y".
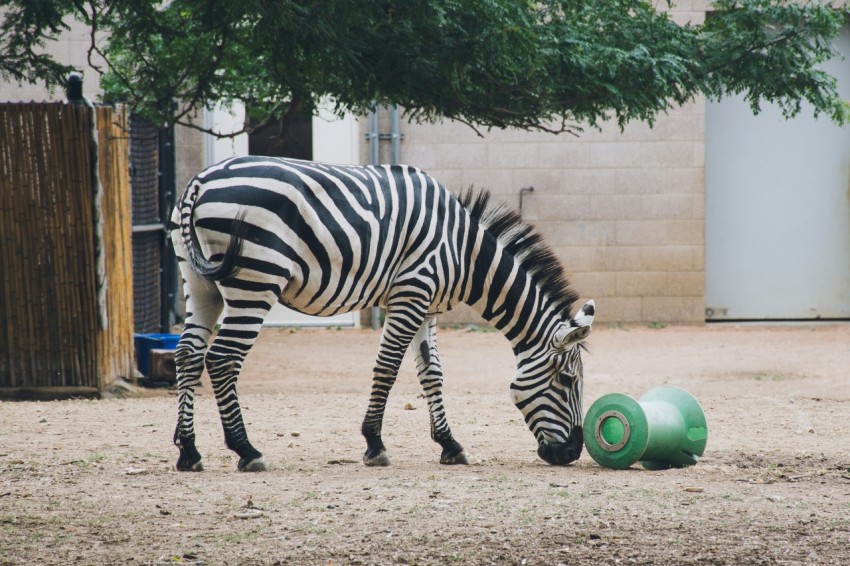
{"x": 459, "y": 458}
{"x": 255, "y": 465}
{"x": 185, "y": 467}
{"x": 381, "y": 460}
{"x": 453, "y": 452}
{"x": 189, "y": 460}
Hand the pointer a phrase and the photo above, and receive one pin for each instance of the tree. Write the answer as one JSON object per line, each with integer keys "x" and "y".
{"x": 551, "y": 65}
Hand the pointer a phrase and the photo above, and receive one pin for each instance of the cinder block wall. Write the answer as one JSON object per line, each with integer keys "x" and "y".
{"x": 623, "y": 210}
{"x": 189, "y": 154}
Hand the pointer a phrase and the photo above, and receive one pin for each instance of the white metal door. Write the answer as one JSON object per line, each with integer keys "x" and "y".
{"x": 335, "y": 140}
{"x": 777, "y": 219}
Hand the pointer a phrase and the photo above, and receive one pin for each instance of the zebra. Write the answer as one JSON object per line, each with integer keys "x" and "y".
{"x": 328, "y": 239}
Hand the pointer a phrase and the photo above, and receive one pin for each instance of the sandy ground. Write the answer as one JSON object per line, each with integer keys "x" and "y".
{"x": 93, "y": 482}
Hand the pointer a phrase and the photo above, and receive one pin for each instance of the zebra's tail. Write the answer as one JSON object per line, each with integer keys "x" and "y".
{"x": 207, "y": 268}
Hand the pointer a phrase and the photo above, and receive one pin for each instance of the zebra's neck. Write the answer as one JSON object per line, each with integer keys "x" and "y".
{"x": 502, "y": 291}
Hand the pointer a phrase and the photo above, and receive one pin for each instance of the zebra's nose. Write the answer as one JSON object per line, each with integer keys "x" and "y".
{"x": 563, "y": 453}
{"x": 575, "y": 442}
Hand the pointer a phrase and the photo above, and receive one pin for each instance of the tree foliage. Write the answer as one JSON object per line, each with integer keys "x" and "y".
{"x": 548, "y": 64}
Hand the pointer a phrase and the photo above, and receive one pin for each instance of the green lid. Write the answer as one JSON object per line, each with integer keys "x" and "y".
{"x": 615, "y": 431}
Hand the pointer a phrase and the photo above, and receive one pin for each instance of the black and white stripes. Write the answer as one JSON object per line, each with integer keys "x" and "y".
{"x": 324, "y": 240}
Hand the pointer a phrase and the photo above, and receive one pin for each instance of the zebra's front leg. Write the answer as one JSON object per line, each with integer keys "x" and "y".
{"x": 376, "y": 452}
{"x": 400, "y": 326}
{"x": 431, "y": 377}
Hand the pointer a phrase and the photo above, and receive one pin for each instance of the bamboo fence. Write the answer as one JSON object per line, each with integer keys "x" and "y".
{"x": 51, "y": 334}
{"x": 115, "y": 344}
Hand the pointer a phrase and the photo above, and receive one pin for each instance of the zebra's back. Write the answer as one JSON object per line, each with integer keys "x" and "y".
{"x": 340, "y": 237}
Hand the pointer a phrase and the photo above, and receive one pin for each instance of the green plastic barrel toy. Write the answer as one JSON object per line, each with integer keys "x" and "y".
{"x": 664, "y": 429}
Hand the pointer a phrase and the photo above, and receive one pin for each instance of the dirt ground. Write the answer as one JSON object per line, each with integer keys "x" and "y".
{"x": 93, "y": 482}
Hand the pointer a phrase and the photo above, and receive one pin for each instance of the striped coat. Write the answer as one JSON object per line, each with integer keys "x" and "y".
{"x": 325, "y": 239}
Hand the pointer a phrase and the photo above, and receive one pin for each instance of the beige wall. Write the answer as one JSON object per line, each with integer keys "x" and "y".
{"x": 189, "y": 154}
{"x": 623, "y": 211}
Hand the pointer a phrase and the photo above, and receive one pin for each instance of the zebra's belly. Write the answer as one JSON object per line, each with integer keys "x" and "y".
{"x": 327, "y": 304}
{"x": 320, "y": 310}
{"x": 333, "y": 310}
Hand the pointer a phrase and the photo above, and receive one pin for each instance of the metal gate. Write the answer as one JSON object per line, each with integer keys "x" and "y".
{"x": 151, "y": 181}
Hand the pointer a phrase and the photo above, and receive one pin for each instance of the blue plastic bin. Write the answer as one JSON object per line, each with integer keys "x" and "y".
{"x": 144, "y": 343}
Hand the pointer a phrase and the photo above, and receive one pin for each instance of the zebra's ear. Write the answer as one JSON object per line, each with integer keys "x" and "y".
{"x": 579, "y": 330}
{"x": 584, "y": 317}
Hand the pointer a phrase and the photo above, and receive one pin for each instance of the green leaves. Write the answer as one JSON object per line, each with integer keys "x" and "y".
{"x": 772, "y": 53}
{"x": 25, "y": 29}
{"x": 549, "y": 65}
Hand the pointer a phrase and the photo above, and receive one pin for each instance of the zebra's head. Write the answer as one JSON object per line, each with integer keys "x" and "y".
{"x": 547, "y": 389}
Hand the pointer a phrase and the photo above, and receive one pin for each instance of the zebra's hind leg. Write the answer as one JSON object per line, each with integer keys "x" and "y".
{"x": 203, "y": 305}
{"x": 400, "y": 326}
{"x": 431, "y": 377}
{"x": 243, "y": 319}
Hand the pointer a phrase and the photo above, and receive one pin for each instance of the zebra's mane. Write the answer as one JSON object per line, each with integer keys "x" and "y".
{"x": 524, "y": 244}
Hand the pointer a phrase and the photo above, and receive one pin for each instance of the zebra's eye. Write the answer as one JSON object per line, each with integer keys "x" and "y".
{"x": 566, "y": 379}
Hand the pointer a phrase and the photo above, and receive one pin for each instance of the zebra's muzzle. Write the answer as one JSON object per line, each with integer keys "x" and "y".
{"x": 563, "y": 453}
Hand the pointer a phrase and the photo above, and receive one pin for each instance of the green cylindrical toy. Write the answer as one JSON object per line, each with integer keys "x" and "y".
{"x": 664, "y": 429}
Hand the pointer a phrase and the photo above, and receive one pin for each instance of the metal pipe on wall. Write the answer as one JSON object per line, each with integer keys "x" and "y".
{"x": 374, "y": 159}
{"x": 374, "y": 136}
{"x": 395, "y": 135}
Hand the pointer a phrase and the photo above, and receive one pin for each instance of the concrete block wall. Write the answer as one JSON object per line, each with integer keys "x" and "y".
{"x": 623, "y": 211}
{"x": 189, "y": 153}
